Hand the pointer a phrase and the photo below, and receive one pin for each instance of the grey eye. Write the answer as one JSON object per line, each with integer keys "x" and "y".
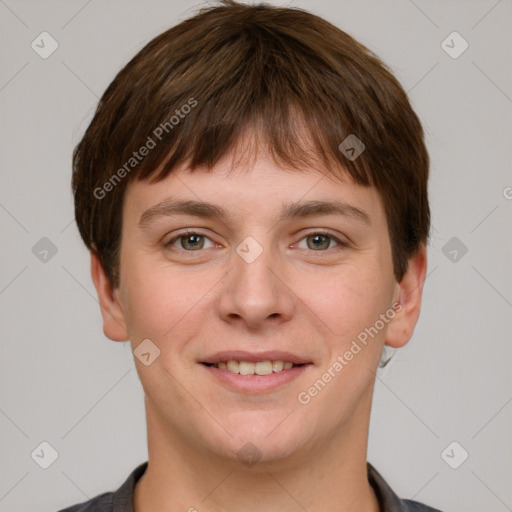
{"x": 189, "y": 242}
{"x": 192, "y": 241}
{"x": 319, "y": 241}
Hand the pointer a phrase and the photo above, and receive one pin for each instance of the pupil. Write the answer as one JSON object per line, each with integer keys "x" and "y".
{"x": 318, "y": 238}
{"x": 193, "y": 240}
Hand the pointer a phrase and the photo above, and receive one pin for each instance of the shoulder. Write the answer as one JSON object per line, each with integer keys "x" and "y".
{"x": 414, "y": 506}
{"x": 100, "y": 503}
{"x": 120, "y": 500}
{"x": 388, "y": 500}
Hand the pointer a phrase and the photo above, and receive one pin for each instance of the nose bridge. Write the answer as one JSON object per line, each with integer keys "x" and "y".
{"x": 255, "y": 292}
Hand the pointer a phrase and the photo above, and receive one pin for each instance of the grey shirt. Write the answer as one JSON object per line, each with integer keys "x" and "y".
{"x": 122, "y": 499}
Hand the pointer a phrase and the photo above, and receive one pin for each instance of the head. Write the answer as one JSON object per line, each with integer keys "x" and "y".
{"x": 247, "y": 108}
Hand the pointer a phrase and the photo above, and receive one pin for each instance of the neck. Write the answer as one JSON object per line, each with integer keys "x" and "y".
{"x": 329, "y": 476}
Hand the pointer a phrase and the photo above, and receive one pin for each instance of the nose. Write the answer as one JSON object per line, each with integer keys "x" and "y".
{"x": 256, "y": 292}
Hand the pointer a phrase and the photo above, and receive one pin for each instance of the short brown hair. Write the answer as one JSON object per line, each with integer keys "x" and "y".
{"x": 232, "y": 66}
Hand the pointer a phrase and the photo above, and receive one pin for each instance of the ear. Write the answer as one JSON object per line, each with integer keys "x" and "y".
{"x": 409, "y": 292}
{"x": 114, "y": 325}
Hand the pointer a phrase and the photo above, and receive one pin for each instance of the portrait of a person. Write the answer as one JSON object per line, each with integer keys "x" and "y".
{"x": 252, "y": 189}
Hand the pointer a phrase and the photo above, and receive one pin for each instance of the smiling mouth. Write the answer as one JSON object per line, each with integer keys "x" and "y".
{"x": 253, "y": 368}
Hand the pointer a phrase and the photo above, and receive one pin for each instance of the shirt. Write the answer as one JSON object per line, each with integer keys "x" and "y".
{"x": 122, "y": 499}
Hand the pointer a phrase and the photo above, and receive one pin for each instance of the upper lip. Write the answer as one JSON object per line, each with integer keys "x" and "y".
{"x": 254, "y": 357}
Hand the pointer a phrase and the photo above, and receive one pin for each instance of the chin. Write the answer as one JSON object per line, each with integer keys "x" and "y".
{"x": 259, "y": 437}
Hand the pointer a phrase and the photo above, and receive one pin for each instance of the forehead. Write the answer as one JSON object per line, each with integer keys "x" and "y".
{"x": 253, "y": 191}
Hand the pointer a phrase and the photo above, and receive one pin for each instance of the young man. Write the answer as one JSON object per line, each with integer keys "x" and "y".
{"x": 253, "y": 191}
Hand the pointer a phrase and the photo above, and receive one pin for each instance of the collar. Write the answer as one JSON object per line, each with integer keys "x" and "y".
{"x": 387, "y": 499}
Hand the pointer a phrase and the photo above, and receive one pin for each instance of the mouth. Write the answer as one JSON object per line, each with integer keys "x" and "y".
{"x": 241, "y": 367}
{"x": 247, "y": 372}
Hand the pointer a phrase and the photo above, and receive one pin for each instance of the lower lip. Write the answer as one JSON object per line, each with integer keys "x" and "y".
{"x": 255, "y": 383}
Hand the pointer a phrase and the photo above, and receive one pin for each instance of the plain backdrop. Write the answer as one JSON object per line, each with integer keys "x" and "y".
{"x": 63, "y": 383}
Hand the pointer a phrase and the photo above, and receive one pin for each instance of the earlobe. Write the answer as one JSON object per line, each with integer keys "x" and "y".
{"x": 401, "y": 327}
{"x": 114, "y": 325}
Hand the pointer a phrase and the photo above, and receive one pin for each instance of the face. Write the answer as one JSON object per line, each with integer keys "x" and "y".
{"x": 278, "y": 266}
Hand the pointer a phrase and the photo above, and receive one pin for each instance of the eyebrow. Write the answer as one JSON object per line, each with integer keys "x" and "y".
{"x": 295, "y": 210}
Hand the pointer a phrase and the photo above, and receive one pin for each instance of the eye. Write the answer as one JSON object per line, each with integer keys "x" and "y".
{"x": 320, "y": 241}
{"x": 192, "y": 241}
{"x": 189, "y": 241}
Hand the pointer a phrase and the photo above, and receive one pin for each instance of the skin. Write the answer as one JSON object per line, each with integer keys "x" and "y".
{"x": 294, "y": 297}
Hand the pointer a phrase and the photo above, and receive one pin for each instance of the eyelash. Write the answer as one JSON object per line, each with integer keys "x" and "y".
{"x": 341, "y": 243}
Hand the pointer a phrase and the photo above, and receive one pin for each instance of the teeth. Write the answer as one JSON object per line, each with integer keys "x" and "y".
{"x": 245, "y": 368}
{"x": 233, "y": 366}
{"x": 263, "y": 368}
{"x": 249, "y": 368}
{"x": 277, "y": 366}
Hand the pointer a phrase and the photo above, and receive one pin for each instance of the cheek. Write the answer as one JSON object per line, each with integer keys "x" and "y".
{"x": 346, "y": 301}
{"x": 164, "y": 304}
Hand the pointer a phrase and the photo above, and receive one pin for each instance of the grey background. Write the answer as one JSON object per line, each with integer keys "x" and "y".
{"x": 63, "y": 382}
